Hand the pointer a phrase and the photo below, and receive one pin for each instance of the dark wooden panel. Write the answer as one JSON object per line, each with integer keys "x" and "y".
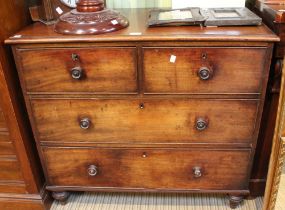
{"x": 160, "y": 120}
{"x": 6, "y": 148}
{"x": 4, "y": 136}
{"x": 3, "y": 125}
{"x": 149, "y": 168}
{"x": 230, "y": 67}
{"x": 104, "y": 70}
{"x": 14, "y": 15}
{"x": 23, "y": 204}
{"x": 273, "y": 17}
{"x": 12, "y": 187}
{"x": 10, "y": 170}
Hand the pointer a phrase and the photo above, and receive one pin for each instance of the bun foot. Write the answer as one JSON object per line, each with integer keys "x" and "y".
{"x": 235, "y": 201}
{"x": 61, "y": 197}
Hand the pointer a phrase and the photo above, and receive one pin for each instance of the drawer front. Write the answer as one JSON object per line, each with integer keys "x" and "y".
{"x": 106, "y": 70}
{"x": 148, "y": 121}
{"x": 203, "y": 70}
{"x": 10, "y": 170}
{"x": 148, "y": 168}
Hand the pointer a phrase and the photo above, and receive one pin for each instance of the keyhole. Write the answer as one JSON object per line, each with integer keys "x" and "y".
{"x": 142, "y": 106}
{"x": 74, "y": 57}
{"x": 144, "y": 155}
{"x": 204, "y": 56}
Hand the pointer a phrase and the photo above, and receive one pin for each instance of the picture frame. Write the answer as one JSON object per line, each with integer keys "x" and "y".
{"x": 170, "y": 17}
{"x": 231, "y": 16}
{"x": 277, "y": 158}
{"x": 176, "y": 4}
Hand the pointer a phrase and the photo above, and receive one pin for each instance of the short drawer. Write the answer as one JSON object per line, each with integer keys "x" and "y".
{"x": 203, "y": 70}
{"x": 196, "y": 169}
{"x": 145, "y": 121}
{"x": 103, "y": 70}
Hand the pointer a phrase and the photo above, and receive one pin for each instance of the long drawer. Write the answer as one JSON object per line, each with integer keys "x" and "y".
{"x": 183, "y": 169}
{"x": 203, "y": 70}
{"x": 144, "y": 121}
{"x": 102, "y": 70}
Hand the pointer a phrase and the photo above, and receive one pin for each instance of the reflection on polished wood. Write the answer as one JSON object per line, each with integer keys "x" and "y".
{"x": 137, "y": 30}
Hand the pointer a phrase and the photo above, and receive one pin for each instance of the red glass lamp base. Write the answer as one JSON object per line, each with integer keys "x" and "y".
{"x": 90, "y": 17}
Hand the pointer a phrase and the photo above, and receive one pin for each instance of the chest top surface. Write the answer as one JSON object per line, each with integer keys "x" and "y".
{"x": 138, "y": 31}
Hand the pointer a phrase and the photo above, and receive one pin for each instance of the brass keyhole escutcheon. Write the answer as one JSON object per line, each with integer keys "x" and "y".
{"x": 204, "y": 56}
{"x": 142, "y": 106}
{"x": 144, "y": 155}
{"x": 74, "y": 57}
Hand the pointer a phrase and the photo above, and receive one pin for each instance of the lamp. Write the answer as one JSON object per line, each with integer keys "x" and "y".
{"x": 90, "y": 17}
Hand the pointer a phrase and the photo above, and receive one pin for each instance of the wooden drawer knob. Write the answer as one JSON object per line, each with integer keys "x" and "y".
{"x": 201, "y": 123}
{"x": 76, "y": 73}
{"x": 197, "y": 172}
{"x": 205, "y": 73}
{"x": 92, "y": 170}
{"x": 85, "y": 123}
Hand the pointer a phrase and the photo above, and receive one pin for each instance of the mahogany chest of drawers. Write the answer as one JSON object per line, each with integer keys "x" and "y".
{"x": 169, "y": 109}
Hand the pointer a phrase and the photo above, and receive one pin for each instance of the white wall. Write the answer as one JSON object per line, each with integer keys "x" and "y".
{"x": 174, "y": 3}
{"x": 207, "y": 3}
{"x": 138, "y": 3}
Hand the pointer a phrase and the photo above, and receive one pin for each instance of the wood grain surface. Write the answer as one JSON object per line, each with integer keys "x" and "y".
{"x": 21, "y": 179}
{"x": 138, "y": 31}
{"x": 155, "y": 103}
{"x": 229, "y": 65}
{"x": 148, "y": 168}
{"x": 103, "y": 69}
{"x": 10, "y": 170}
{"x": 160, "y": 121}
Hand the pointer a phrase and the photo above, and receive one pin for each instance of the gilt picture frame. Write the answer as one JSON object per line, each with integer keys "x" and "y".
{"x": 277, "y": 158}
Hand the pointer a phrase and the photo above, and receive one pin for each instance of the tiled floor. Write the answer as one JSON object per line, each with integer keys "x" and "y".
{"x": 149, "y": 201}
